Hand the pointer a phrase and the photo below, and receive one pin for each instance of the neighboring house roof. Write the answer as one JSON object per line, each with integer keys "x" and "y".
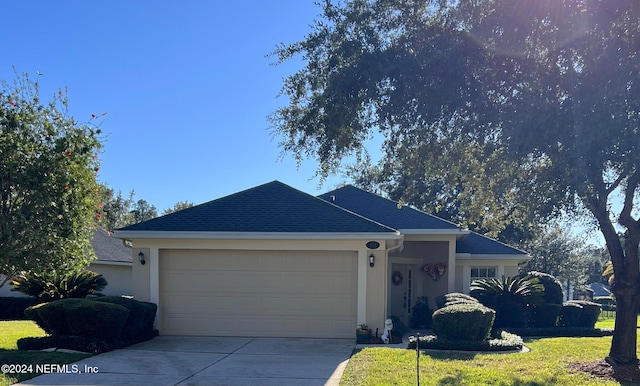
{"x": 108, "y": 249}
{"x": 384, "y": 211}
{"x": 600, "y": 289}
{"x": 388, "y": 212}
{"x": 272, "y": 207}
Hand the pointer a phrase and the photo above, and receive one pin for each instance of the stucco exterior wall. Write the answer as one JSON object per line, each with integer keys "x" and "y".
{"x": 119, "y": 278}
{"x": 371, "y": 286}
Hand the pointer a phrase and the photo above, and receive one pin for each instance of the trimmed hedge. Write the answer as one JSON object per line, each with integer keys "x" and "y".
{"x": 454, "y": 298}
{"x": 12, "y": 307}
{"x": 471, "y": 322}
{"x": 552, "y": 287}
{"x": 565, "y": 332}
{"x": 82, "y": 317}
{"x": 546, "y": 315}
{"x": 69, "y": 342}
{"x": 506, "y": 342}
{"x": 587, "y": 315}
{"x": 139, "y": 324}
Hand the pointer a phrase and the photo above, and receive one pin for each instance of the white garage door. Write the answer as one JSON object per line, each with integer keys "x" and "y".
{"x": 258, "y": 293}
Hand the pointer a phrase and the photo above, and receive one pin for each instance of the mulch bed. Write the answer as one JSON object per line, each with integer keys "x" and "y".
{"x": 624, "y": 374}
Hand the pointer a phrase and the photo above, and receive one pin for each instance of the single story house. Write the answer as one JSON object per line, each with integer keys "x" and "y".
{"x": 273, "y": 261}
{"x": 113, "y": 261}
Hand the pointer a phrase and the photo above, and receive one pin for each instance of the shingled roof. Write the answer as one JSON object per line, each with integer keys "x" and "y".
{"x": 384, "y": 211}
{"x": 109, "y": 249}
{"x": 387, "y": 212}
{"x": 272, "y": 207}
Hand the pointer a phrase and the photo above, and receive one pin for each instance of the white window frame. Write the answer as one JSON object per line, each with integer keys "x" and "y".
{"x": 484, "y": 268}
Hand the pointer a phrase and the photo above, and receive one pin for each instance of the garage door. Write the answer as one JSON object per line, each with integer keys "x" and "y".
{"x": 258, "y": 293}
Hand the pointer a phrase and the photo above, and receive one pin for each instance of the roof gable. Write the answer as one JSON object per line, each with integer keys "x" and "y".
{"x": 272, "y": 207}
{"x": 385, "y": 211}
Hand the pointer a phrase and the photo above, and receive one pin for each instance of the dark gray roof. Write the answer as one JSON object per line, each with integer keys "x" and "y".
{"x": 478, "y": 244}
{"x": 108, "y": 248}
{"x": 272, "y": 207}
{"x": 386, "y": 212}
{"x": 383, "y": 210}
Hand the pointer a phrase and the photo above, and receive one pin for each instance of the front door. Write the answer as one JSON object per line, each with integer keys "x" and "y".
{"x": 402, "y": 291}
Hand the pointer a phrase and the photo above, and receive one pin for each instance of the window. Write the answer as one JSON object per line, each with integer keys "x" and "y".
{"x": 483, "y": 272}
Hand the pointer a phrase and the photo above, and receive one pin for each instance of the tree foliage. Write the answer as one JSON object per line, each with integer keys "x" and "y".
{"x": 48, "y": 189}
{"x": 180, "y": 205}
{"x": 118, "y": 211}
{"x": 515, "y": 109}
{"x": 555, "y": 251}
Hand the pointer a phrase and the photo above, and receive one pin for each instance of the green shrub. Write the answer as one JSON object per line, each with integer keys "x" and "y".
{"x": 552, "y": 287}
{"x": 81, "y": 317}
{"x": 12, "y": 308}
{"x": 570, "y": 315}
{"x": 546, "y": 315}
{"x": 52, "y": 285}
{"x": 421, "y": 313}
{"x": 505, "y": 342}
{"x": 589, "y": 313}
{"x": 399, "y": 328}
{"x": 470, "y": 322}
{"x": 608, "y": 303}
{"x": 69, "y": 342}
{"x": 139, "y": 324}
{"x": 454, "y": 298}
{"x": 511, "y": 298}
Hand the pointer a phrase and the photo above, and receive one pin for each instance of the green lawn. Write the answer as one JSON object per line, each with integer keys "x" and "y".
{"x": 608, "y": 321}
{"x": 546, "y": 364}
{"x": 10, "y": 332}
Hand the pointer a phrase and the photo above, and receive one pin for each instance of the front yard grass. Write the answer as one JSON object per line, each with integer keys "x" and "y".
{"x": 546, "y": 364}
{"x": 10, "y": 332}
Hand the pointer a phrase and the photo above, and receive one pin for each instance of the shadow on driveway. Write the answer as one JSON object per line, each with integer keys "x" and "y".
{"x": 178, "y": 360}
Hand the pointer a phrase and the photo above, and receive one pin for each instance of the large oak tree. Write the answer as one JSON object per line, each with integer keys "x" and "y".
{"x": 514, "y": 108}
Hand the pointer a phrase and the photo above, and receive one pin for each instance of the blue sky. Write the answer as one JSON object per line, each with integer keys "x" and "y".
{"x": 187, "y": 87}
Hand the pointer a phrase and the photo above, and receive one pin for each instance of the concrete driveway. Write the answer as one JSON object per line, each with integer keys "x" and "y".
{"x": 177, "y": 360}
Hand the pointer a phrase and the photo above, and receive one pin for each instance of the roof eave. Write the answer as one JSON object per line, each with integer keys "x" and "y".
{"x": 124, "y": 234}
{"x": 459, "y": 233}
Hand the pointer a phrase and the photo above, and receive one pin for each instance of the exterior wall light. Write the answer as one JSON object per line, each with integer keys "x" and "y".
{"x": 141, "y": 258}
{"x": 372, "y": 259}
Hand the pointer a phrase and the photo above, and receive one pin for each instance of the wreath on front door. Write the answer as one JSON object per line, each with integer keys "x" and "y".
{"x": 396, "y": 278}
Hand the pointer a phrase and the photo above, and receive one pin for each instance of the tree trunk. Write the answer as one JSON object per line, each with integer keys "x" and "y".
{"x": 624, "y": 344}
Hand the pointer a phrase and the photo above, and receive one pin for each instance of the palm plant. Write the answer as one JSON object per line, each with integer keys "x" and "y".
{"x": 53, "y": 285}
{"x": 511, "y": 297}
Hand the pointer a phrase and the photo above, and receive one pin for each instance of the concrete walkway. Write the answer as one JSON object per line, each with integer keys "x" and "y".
{"x": 173, "y": 360}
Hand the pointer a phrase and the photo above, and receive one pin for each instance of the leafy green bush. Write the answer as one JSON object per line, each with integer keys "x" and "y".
{"x": 608, "y": 303}
{"x": 399, "y": 328}
{"x": 552, "y": 287}
{"x": 463, "y": 322}
{"x": 139, "y": 324}
{"x": 570, "y": 315}
{"x": 82, "y": 317}
{"x": 454, "y": 298}
{"x": 52, "y": 285}
{"x": 511, "y": 298}
{"x": 12, "y": 308}
{"x": 69, "y": 342}
{"x": 505, "y": 342}
{"x": 588, "y": 313}
{"x": 421, "y": 313}
{"x": 546, "y": 314}
{"x": 568, "y": 332}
